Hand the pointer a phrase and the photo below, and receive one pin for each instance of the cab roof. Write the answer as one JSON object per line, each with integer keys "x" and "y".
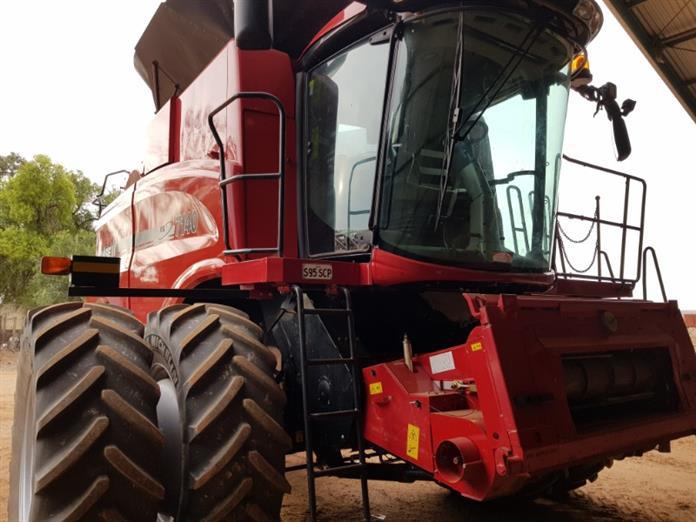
{"x": 184, "y": 36}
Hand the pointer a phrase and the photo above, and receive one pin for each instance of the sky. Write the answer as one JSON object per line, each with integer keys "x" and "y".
{"x": 69, "y": 90}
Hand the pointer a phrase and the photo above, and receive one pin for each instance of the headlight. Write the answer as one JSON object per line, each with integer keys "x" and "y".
{"x": 588, "y": 12}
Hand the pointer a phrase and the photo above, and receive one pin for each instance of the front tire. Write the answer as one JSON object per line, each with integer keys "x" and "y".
{"x": 85, "y": 445}
{"x": 221, "y": 412}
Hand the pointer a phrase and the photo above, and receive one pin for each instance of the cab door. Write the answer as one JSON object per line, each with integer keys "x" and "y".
{"x": 344, "y": 105}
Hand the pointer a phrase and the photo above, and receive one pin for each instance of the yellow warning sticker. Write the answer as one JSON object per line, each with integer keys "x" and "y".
{"x": 475, "y": 347}
{"x": 375, "y": 388}
{"x": 412, "y": 439}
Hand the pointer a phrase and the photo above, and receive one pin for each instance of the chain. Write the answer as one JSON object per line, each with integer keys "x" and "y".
{"x": 564, "y": 254}
{"x": 587, "y": 236}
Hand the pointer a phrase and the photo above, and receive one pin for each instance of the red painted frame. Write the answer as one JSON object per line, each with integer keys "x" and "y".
{"x": 516, "y": 352}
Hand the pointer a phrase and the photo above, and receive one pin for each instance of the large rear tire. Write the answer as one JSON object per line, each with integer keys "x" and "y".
{"x": 85, "y": 445}
{"x": 221, "y": 412}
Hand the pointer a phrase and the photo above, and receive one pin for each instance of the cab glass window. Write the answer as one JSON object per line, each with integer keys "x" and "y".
{"x": 344, "y": 107}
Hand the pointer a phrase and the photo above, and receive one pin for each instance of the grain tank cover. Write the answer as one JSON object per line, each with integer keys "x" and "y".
{"x": 180, "y": 41}
{"x": 185, "y": 35}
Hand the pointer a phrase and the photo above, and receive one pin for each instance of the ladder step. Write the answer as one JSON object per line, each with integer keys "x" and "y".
{"x": 347, "y": 314}
{"x": 335, "y": 413}
{"x": 325, "y": 311}
{"x": 329, "y": 471}
{"x": 337, "y": 360}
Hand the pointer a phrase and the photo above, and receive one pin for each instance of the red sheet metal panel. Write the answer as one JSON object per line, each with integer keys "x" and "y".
{"x": 508, "y": 408}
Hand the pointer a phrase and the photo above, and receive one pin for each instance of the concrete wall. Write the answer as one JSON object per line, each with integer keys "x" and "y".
{"x": 11, "y": 321}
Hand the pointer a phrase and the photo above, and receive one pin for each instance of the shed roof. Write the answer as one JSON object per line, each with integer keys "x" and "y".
{"x": 665, "y": 30}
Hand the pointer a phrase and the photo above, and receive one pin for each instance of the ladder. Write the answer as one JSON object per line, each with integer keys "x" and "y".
{"x": 309, "y": 416}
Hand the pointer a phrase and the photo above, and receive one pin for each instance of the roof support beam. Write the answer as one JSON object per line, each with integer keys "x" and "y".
{"x": 651, "y": 49}
{"x": 679, "y": 38}
{"x": 634, "y": 3}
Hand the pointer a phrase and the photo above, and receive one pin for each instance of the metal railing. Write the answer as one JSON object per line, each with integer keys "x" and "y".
{"x": 658, "y": 273}
{"x": 600, "y": 257}
{"x": 225, "y": 181}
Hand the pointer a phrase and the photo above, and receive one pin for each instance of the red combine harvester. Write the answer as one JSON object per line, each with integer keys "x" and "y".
{"x": 345, "y": 240}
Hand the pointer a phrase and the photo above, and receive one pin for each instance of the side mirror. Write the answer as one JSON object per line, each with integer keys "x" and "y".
{"x": 605, "y": 97}
{"x": 99, "y": 199}
{"x": 621, "y": 139}
{"x": 253, "y": 24}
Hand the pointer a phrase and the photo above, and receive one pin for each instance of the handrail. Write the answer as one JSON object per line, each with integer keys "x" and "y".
{"x": 597, "y": 221}
{"x": 512, "y": 189}
{"x": 225, "y": 181}
{"x": 657, "y": 271}
{"x": 363, "y": 161}
{"x": 608, "y": 262}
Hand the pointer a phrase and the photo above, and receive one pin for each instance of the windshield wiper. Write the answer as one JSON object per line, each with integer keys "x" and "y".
{"x": 453, "y": 116}
{"x": 481, "y": 106}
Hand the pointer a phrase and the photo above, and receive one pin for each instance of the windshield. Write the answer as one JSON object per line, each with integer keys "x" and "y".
{"x": 474, "y": 141}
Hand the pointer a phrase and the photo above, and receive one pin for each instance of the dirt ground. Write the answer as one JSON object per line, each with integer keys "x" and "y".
{"x": 657, "y": 487}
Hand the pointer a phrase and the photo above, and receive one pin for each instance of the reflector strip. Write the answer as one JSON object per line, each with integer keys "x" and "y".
{"x": 95, "y": 268}
{"x": 55, "y": 265}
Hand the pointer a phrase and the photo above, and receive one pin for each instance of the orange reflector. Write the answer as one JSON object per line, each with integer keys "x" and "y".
{"x": 579, "y": 63}
{"x": 56, "y": 265}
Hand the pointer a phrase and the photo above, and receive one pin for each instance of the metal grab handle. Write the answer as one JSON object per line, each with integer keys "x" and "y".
{"x": 350, "y": 191}
{"x": 224, "y": 180}
{"x": 657, "y": 271}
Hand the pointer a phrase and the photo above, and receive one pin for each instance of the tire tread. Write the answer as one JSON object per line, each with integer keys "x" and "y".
{"x": 73, "y": 354}
{"x": 231, "y": 406}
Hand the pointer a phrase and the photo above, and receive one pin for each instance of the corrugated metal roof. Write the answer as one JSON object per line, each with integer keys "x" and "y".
{"x": 665, "y": 30}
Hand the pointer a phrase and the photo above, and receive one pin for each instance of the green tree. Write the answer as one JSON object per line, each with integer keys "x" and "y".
{"x": 39, "y": 198}
{"x": 44, "y": 210}
{"x": 20, "y": 251}
{"x": 9, "y": 165}
{"x": 85, "y": 193}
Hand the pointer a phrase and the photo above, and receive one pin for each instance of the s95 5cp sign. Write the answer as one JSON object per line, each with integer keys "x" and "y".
{"x": 317, "y": 272}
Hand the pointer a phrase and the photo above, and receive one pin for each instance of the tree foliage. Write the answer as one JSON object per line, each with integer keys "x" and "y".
{"x": 44, "y": 210}
{"x": 9, "y": 165}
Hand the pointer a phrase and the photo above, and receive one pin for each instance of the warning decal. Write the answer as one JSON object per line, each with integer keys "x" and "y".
{"x": 442, "y": 362}
{"x": 375, "y": 388}
{"x": 412, "y": 439}
{"x": 475, "y": 347}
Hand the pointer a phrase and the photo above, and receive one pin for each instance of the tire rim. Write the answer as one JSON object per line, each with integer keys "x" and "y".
{"x": 170, "y": 422}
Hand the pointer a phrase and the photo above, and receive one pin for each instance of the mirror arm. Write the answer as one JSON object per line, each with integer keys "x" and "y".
{"x": 605, "y": 98}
